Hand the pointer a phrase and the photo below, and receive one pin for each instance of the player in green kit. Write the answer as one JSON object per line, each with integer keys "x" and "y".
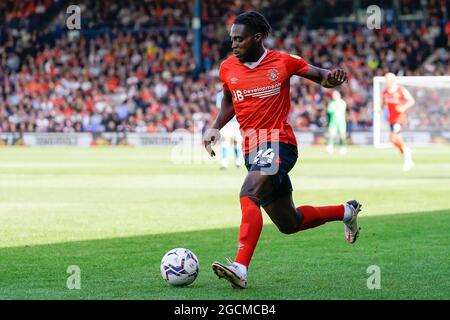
{"x": 337, "y": 123}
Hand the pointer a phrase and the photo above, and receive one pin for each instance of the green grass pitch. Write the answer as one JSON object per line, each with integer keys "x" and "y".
{"x": 114, "y": 212}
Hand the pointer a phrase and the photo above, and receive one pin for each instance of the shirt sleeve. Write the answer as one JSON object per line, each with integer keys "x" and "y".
{"x": 295, "y": 65}
{"x": 222, "y": 70}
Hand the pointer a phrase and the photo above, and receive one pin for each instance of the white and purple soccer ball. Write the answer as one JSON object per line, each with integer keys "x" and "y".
{"x": 179, "y": 267}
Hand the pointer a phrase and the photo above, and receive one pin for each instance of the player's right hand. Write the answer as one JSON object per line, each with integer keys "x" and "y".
{"x": 210, "y": 137}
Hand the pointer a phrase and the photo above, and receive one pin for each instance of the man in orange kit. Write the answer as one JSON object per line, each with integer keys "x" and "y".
{"x": 398, "y": 100}
{"x": 256, "y": 89}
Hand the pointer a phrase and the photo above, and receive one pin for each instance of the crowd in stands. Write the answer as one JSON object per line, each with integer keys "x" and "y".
{"x": 139, "y": 75}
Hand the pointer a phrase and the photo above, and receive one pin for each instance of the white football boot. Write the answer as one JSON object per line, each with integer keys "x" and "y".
{"x": 232, "y": 273}
{"x": 408, "y": 164}
{"x": 351, "y": 226}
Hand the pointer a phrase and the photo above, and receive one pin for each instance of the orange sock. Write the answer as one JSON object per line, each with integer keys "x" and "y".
{"x": 249, "y": 231}
{"x": 315, "y": 216}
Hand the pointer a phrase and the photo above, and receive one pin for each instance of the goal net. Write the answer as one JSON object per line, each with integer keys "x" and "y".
{"x": 428, "y": 121}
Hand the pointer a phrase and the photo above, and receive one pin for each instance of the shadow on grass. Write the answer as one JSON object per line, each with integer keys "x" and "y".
{"x": 412, "y": 251}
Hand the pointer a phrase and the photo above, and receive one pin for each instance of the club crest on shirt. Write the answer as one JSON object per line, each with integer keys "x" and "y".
{"x": 273, "y": 74}
{"x": 233, "y": 80}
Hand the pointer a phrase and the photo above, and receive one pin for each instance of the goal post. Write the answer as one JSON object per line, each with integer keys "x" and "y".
{"x": 429, "y": 118}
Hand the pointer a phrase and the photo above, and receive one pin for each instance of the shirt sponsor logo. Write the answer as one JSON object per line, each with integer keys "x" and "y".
{"x": 263, "y": 92}
{"x": 233, "y": 80}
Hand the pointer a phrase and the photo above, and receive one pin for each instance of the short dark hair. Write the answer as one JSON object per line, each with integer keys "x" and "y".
{"x": 255, "y": 21}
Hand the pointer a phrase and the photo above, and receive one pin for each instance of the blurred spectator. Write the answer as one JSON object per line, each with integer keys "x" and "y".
{"x": 128, "y": 79}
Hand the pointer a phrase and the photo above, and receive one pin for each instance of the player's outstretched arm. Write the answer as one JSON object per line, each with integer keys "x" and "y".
{"x": 324, "y": 77}
{"x": 408, "y": 103}
{"x": 226, "y": 113}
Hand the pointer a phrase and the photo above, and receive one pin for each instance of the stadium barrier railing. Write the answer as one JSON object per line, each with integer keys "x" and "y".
{"x": 87, "y": 139}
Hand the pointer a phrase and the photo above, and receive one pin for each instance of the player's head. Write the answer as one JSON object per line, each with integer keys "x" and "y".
{"x": 247, "y": 35}
{"x": 390, "y": 79}
{"x": 336, "y": 95}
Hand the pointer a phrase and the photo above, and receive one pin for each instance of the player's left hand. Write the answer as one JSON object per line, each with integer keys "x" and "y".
{"x": 210, "y": 137}
{"x": 336, "y": 77}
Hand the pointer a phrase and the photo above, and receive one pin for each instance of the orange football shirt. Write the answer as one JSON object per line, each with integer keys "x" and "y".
{"x": 391, "y": 101}
{"x": 261, "y": 98}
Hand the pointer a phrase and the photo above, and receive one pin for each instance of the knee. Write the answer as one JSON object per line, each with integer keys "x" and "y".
{"x": 394, "y": 137}
{"x": 288, "y": 229}
{"x": 249, "y": 190}
{"x": 288, "y": 221}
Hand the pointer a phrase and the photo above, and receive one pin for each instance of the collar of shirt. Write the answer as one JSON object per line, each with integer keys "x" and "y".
{"x": 253, "y": 65}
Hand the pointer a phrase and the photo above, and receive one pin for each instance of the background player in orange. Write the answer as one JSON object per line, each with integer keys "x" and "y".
{"x": 398, "y": 100}
{"x": 256, "y": 89}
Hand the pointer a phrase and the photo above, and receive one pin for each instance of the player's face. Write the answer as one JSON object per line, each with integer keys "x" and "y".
{"x": 390, "y": 80}
{"x": 336, "y": 95}
{"x": 243, "y": 43}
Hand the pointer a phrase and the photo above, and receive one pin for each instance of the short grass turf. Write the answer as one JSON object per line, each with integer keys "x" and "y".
{"x": 114, "y": 212}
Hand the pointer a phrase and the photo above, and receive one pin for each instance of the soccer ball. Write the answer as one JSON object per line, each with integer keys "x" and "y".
{"x": 179, "y": 267}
